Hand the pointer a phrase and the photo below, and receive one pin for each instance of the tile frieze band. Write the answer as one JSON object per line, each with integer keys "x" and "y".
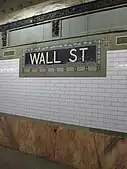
{"x": 81, "y": 8}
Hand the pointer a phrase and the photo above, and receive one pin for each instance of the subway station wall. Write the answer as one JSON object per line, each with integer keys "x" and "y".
{"x": 90, "y": 102}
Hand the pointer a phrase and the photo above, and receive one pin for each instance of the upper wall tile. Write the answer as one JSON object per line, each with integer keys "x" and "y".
{"x": 78, "y": 26}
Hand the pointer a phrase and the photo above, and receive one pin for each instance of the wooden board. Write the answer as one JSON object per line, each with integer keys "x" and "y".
{"x": 79, "y": 149}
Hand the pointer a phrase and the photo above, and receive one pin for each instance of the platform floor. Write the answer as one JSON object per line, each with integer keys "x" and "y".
{"x": 11, "y": 159}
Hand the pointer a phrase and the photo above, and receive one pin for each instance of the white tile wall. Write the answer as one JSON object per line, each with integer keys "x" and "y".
{"x": 92, "y": 102}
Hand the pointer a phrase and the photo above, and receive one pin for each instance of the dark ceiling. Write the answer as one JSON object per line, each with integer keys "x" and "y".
{"x": 12, "y": 10}
{"x": 8, "y": 6}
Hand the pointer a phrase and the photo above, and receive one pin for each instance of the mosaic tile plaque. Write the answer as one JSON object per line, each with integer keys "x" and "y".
{"x": 85, "y": 58}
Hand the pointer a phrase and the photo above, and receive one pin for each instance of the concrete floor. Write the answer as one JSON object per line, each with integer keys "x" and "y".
{"x": 11, "y": 159}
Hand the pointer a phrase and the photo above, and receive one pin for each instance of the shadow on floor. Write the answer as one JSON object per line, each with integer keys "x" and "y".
{"x": 11, "y": 159}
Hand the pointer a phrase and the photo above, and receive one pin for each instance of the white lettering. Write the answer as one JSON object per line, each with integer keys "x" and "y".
{"x": 56, "y": 61}
{"x": 47, "y": 57}
{"x": 42, "y": 59}
{"x": 75, "y": 56}
{"x": 34, "y": 58}
{"x": 83, "y": 53}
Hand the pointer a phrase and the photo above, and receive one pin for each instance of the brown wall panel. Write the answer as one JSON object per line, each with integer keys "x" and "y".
{"x": 77, "y": 148}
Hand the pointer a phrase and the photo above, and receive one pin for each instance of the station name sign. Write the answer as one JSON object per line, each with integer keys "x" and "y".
{"x": 61, "y": 56}
{"x": 76, "y": 59}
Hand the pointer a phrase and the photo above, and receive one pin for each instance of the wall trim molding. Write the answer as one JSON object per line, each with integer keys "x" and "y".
{"x": 90, "y": 7}
{"x": 53, "y": 40}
